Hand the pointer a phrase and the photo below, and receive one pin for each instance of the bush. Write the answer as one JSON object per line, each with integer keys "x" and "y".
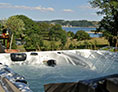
{"x": 81, "y": 35}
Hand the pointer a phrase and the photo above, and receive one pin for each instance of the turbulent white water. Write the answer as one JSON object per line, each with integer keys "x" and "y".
{"x": 85, "y": 58}
{"x": 71, "y": 65}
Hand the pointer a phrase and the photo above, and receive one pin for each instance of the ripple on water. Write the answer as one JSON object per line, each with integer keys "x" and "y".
{"x": 37, "y": 76}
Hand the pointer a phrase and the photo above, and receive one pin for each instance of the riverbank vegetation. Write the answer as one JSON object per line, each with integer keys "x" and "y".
{"x": 42, "y": 36}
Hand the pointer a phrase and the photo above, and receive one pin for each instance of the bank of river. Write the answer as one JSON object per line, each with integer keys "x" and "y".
{"x": 88, "y": 30}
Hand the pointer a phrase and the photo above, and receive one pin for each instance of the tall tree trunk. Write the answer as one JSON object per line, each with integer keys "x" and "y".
{"x": 11, "y": 40}
{"x": 38, "y": 47}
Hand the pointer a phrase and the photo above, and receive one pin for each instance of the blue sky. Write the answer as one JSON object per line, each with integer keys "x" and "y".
{"x": 49, "y": 9}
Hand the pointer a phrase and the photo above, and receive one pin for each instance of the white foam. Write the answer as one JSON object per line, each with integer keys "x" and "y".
{"x": 74, "y": 57}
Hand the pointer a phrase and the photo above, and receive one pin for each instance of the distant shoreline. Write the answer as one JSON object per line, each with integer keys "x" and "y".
{"x": 77, "y": 27}
{"x": 94, "y": 32}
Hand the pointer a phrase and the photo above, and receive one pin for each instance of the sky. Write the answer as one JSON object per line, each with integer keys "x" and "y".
{"x": 41, "y": 10}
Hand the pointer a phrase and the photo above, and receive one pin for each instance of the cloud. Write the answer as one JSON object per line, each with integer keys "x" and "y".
{"x": 40, "y": 8}
{"x": 43, "y": 9}
{"x": 68, "y": 10}
{"x": 87, "y": 7}
{"x": 2, "y": 4}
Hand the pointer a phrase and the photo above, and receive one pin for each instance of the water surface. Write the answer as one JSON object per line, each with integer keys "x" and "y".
{"x": 37, "y": 76}
{"x": 75, "y": 29}
{"x": 101, "y": 63}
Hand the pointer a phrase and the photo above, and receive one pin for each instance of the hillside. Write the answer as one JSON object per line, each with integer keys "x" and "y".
{"x": 74, "y": 23}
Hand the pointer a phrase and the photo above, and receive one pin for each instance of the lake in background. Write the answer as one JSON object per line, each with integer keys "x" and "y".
{"x": 75, "y": 29}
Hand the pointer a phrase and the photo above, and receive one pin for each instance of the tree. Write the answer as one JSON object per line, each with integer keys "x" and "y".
{"x": 81, "y": 35}
{"x": 16, "y": 26}
{"x": 70, "y": 34}
{"x": 63, "y": 37}
{"x": 78, "y": 23}
{"x": 3, "y": 22}
{"x": 30, "y": 25}
{"x": 0, "y": 26}
{"x": 33, "y": 42}
{"x": 109, "y": 23}
{"x": 57, "y": 33}
{"x": 71, "y": 46}
{"x": 32, "y": 35}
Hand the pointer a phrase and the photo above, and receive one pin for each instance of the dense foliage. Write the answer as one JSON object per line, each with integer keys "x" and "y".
{"x": 57, "y": 33}
{"x": 0, "y": 27}
{"x": 15, "y": 25}
{"x": 30, "y": 25}
{"x": 30, "y": 34}
{"x": 34, "y": 34}
{"x": 109, "y": 23}
{"x": 70, "y": 34}
{"x": 82, "y": 35}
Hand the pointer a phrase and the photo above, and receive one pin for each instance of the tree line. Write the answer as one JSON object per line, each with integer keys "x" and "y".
{"x": 32, "y": 33}
{"x": 36, "y": 35}
{"x": 75, "y": 23}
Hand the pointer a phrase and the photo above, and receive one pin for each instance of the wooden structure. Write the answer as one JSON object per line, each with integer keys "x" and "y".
{"x": 2, "y": 49}
{"x": 5, "y": 36}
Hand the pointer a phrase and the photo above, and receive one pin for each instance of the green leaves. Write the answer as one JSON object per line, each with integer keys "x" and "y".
{"x": 56, "y": 33}
{"x": 105, "y": 6}
{"x": 70, "y": 34}
{"x": 32, "y": 33}
{"x": 82, "y": 35}
{"x": 16, "y": 25}
{"x": 109, "y": 23}
{"x": 30, "y": 25}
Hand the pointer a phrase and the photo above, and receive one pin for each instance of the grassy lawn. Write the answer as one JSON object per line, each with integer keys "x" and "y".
{"x": 100, "y": 41}
{"x": 21, "y": 48}
{"x": 94, "y": 43}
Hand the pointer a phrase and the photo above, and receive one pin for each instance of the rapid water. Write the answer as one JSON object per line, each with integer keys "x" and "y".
{"x": 72, "y": 66}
